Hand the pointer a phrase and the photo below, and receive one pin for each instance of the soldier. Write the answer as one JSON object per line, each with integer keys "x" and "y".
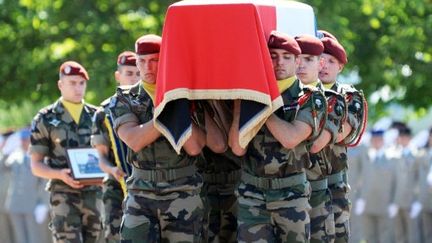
{"x": 273, "y": 193}
{"x": 334, "y": 58}
{"x": 65, "y": 124}
{"x": 221, "y": 173}
{"x": 406, "y": 191}
{"x": 163, "y": 201}
{"x": 23, "y": 194}
{"x": 111, "y": 152}
{"x": 310, "y": 63}
{"x": 425, "y": 189}
{"x": 5, "y": 175}
{"x": 356, "y": 158}
{"x": 376, "y": 191}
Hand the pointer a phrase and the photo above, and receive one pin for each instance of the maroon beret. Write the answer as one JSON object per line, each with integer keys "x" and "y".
{"x": 324, "y": 33}
{"x": 334, "y": 48}
{"x": 126, "y": 58}
{"x": 73, "y": 68}
{"x": 280, "y": 40}
{"x": 310, "y": 45}
{"x": 148, "y": 44}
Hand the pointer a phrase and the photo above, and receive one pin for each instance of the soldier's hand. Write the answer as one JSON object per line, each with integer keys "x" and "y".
{"x": 117, "y": 173}
{"x": 67, "y": 178}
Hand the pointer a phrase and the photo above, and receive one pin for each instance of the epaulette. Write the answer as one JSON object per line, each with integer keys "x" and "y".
{"x": 47, "y": 109}
{"x": 106, "y": 101}
{"x": 121, "y": 90}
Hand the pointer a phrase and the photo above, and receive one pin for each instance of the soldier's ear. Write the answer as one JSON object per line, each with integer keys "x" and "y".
{"x": 341, "y": 67}
{"x": 59, "y": 84}
{"x": 117, "y": 75}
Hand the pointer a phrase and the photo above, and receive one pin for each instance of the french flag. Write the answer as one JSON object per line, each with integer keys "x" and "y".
{"x": 217, "y": 49}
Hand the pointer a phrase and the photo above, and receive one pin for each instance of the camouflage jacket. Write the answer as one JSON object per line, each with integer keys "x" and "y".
{"x": 135, "y": 105}
{"x": 54, "y": 131}
{"x": 336, "y": 114}
{"x": 337, "y": 154}
{"x": 266, "y": 157}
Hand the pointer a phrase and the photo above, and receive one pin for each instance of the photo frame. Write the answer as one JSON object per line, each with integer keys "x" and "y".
{"x": 84, "y": 164}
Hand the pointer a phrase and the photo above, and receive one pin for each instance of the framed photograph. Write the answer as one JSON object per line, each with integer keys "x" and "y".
{"x": 84, "y": 163}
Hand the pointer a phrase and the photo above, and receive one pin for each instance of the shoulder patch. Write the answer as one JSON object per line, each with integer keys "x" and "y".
{"x": 54, "y": 122}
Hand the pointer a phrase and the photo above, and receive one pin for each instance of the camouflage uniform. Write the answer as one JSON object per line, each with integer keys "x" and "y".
{"x": 221, "y": 173}
{"x": 337, "y": 155}
{"x": 425, "y": 197}
{"x": 75, "y": 213}
{"x": 273, "y": 193}
{"x": 321, "y": 214}
{"x": 112, "y": 191}
{"x": 163, "y": 202}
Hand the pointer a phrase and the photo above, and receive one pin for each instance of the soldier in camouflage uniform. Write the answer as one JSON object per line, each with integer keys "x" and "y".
{"x": 334, "y": 58}
{"x": 75, "y": 208}
{"x": 321, "y": 214}
{"x": 127, "y": 74}
{"x": 221, "y": 173}
{"x": 273, "y": 192}
{"x": 220, "y": 169}
{"x": 163, "y": 202}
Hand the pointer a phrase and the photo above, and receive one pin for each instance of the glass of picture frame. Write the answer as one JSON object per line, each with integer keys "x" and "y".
{"x": 84, "y": 164}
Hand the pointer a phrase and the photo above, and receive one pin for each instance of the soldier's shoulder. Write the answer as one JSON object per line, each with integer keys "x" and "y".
{"x": 100, "y": 112}
{"x": 92, "y": 107}
{"x": 126, "y": 90}
{"x": 106, "y": 101}
{"x": 98, "y": 116}
{"x": 45, "y": 112}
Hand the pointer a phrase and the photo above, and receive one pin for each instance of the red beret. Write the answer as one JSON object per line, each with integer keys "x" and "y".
{"x": 324, "y": 33}
{"x": 148, "y": 44}
{"x": 334, "y": 48}
{"x": 126, "y": 58}
{"x": 73, "y": 68}
{"x": 310, "y": 45}
{"x": 280, "y": 40}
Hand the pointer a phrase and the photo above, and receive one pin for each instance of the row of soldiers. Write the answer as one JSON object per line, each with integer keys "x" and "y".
{"x": 23, "y": 200}
{"x": 288, "y": 184}
{"x": 392, "y": 188}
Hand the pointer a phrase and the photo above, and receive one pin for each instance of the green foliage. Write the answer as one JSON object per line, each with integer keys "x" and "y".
{"x": 17, "y": 115}
{"x": 388, "y": 41}
{"x": 38, "y": 35}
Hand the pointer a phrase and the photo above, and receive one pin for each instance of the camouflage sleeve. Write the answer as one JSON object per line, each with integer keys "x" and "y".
{"x": 355, "y": 115}
{"x": 39, "y": 139}
{"x": 121, "y": 111}
{"x": 354, "y": 109}
{"x": 336, "y": 112}
{"x": 313, "y": 112}
{"x": 99, "y": 132}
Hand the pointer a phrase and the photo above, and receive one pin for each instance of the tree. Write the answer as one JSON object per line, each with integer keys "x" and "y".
{"x": 388, "y": 42}
{"x": 38, "y": 35}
